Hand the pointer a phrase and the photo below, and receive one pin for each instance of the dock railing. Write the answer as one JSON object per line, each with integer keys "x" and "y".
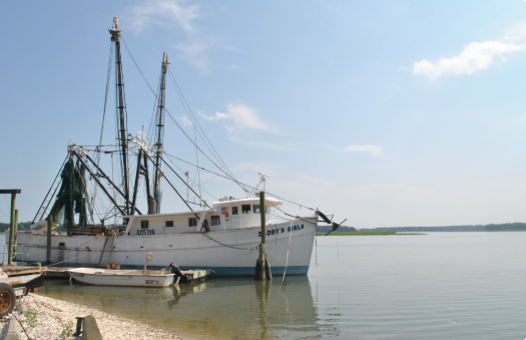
{"x": 5, "y": 252}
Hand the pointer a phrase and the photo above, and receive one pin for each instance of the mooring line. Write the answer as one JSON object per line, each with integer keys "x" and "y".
{"x": 287, "y": 260}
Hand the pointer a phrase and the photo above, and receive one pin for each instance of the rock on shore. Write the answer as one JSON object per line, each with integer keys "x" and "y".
{"x": 54, "y": 319}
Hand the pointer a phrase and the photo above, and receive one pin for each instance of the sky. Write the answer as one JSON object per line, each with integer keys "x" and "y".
{"x": 406, "y": 113}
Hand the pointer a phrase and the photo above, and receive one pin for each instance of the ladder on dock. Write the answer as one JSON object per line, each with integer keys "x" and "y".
{"x": 106, "y": 250}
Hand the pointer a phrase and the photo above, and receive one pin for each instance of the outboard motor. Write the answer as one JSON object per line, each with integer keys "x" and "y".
{"x": 175, "y": 270}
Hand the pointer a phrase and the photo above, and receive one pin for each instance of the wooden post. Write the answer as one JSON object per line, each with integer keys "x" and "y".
{"x": 16, "y": 234}
{"x": 11, "y": 229}
{"x": 78, "y": 331}
{"x": 48, "y": 244}
{"x": 263, "y": 270}
{"x": 12, "y": 222}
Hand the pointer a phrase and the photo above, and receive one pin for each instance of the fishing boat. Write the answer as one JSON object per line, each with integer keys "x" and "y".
{"x": 223, "y": 236}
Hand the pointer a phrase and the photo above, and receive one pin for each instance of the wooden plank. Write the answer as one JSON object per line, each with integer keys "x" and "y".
{"x": 10, "y": 191}
{"x": 22, "y": 270}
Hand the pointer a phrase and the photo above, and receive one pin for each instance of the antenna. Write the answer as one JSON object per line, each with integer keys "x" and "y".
{"x": 262, "y": 180}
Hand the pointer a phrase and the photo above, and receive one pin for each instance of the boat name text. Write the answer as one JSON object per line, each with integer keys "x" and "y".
{"x": 144, "y": 232}
{"x": 282, "y": 230}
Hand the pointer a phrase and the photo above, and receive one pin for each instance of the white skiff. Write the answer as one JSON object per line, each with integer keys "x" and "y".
{"x": 127, "y": 278}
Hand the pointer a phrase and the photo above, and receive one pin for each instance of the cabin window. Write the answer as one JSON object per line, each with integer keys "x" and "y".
{"x": 245, "y": 208}
{"x": 144, "y": 224}
{"x": 234, "y": 210}
{"x": 257, "y": 208}
{"x": 215, "y": 220}
{"x": 192, "y": 222}
{"x": 169, "y": 224}
{"x": 62, "y": 244}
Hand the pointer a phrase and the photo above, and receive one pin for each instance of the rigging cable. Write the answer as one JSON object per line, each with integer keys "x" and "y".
{"x": 228, "y": 176}
{"x": 193, "y": 180}
{"x": 173, "y": 119}
{"x": 108, "y": 77}
{"x": 205, "y": 138}
{"x": 241, "y": 183}
{"x": 168, "y": 165}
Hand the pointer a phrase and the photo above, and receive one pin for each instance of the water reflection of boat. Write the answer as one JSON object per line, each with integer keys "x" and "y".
{"x": 220, "y": 309}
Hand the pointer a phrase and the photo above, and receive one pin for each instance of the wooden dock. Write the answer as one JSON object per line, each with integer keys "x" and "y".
{"x": 12, "y": 270}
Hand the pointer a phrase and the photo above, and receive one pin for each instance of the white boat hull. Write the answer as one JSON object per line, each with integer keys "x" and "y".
{"x": 229, "y": 252}
{"x": 117, "y": 278}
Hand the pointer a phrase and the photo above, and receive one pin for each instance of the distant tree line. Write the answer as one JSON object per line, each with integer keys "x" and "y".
{"x": 24, "y": 226}
{"x": 327, "y": 228}
{"x": 506, "y": 226}
{"x": 410, "y": 229}
{"x": 21, "y": 226}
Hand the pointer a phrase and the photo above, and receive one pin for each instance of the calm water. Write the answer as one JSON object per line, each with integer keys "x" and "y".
{"x": 437, "y": 286}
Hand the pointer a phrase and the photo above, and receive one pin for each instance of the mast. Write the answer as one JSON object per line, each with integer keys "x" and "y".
{"x": 121, "y": 113}
{"x": 159, "y": 137}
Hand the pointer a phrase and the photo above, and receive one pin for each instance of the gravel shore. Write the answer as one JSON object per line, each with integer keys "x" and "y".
{"x": 55, "y": 318}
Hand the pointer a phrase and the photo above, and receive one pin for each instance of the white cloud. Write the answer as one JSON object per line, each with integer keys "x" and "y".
{"x": 265, "y": 145}
{"x": 217, "y": 116}
{"x": 474, "y": 57}
{"x": 516, "y": 32}
{"x": 185, "y": 121}
{"x": 196, "y": 45}
{"x": 255, "y": 167}
{"x": 241, "y": 116}
{"x": 164, "y": 13}
{"x": 375, "y": 151}
{"x": 523, "y": 118}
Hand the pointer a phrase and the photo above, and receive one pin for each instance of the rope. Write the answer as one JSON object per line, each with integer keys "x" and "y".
{"x": 287, "y": 260}
{"x": 54, "y": 264}
{"x": 226, "y": 245}
{"x": 21, "y": 325}
{"x": 108, "y": 77}
{"x": 240, "y": 183}
{"x": 298, "y": 217}
{"x": 210, "y": 171}
{"x": 316, "y": 248}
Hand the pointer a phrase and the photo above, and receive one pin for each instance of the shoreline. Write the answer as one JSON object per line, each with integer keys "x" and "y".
{"x": 56, "y": 317}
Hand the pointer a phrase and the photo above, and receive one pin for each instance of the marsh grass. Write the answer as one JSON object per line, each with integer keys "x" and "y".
{"x": 366, "y": 233}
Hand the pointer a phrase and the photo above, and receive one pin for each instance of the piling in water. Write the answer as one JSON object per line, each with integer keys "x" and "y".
{"x": 263, "y": 270}
{"x": 48, "y": 243}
